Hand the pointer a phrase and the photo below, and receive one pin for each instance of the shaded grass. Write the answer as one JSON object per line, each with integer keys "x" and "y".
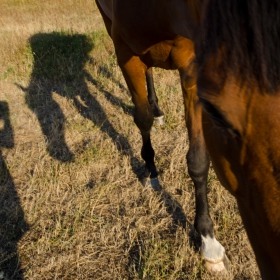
{"x": 74, "y": 158}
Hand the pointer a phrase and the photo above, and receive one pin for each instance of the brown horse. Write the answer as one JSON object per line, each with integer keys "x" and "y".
{"x": 228, "y": 57}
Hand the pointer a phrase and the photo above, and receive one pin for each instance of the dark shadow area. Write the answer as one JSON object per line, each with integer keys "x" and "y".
{"x": 12, "y": 222}
{"x": 105, "y": 72}
{"x": 59, "y": 65}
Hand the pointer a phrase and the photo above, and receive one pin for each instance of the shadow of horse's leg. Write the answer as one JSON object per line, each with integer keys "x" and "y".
{"x": 134, "y": 73}
{"x": 91, "y": 109}
{"x": 52, "y": 122}
{"x": 152, "y": 97}
{"x": 198, "y": 165}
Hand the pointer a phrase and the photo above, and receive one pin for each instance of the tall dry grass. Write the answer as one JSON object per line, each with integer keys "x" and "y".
{"x": 71, "y": 205}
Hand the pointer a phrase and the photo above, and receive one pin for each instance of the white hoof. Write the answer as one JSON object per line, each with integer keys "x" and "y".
{"x": 214, "y": 255}
{"x": 215, "y": 267}
{"x": 159, "y": 120}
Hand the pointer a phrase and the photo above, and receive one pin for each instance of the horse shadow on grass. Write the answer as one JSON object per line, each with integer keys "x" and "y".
{"x": 59, "y": 66}
{"x": 12, "y": 222}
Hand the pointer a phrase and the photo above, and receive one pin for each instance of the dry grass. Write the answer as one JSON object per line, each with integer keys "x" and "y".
{"x": 71, "y": 205}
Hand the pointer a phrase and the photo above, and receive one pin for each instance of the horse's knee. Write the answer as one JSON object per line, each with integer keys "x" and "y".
{"x": 143, "y": 117}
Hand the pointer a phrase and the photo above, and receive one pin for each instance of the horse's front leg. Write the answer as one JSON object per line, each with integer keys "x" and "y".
{"x": 198, "y": 165}
{"x": 134, "y": 73}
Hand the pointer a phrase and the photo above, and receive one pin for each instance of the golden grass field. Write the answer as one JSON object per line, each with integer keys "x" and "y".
{"x": 71, "y": 204}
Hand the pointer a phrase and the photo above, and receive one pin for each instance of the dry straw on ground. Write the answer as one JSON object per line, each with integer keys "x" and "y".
{"x": 71, "y": 206}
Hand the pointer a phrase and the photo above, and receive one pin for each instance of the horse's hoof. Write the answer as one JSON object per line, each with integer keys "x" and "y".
{"x": 221, "y": 267}
{"x": 159, "y": 120}
{"x": 151, "y": 183}
{"x": 214, "y": 255}
{"x": 215, "y": 267}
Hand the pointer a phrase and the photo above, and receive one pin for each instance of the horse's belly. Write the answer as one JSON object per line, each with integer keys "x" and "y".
{"x": 158, "y": 55}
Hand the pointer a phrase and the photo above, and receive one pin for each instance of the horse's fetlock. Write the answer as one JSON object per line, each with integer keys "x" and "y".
{"x": 204, "y": 225}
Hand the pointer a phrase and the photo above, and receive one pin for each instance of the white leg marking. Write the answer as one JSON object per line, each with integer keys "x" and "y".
{"x": 211, "y": 249}
{"x": 159, "y": 120}
{"x": 213, "y": 253}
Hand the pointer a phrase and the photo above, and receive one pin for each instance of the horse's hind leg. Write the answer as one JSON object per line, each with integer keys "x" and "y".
{"x": 198, "y": 165}
{"x": 134, "y": 73}
{"x": 152, "y": 97}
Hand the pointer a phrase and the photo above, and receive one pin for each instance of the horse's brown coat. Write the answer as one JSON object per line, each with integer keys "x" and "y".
{"x": 245, "y": 152}
{"x": 250, "y": 168}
